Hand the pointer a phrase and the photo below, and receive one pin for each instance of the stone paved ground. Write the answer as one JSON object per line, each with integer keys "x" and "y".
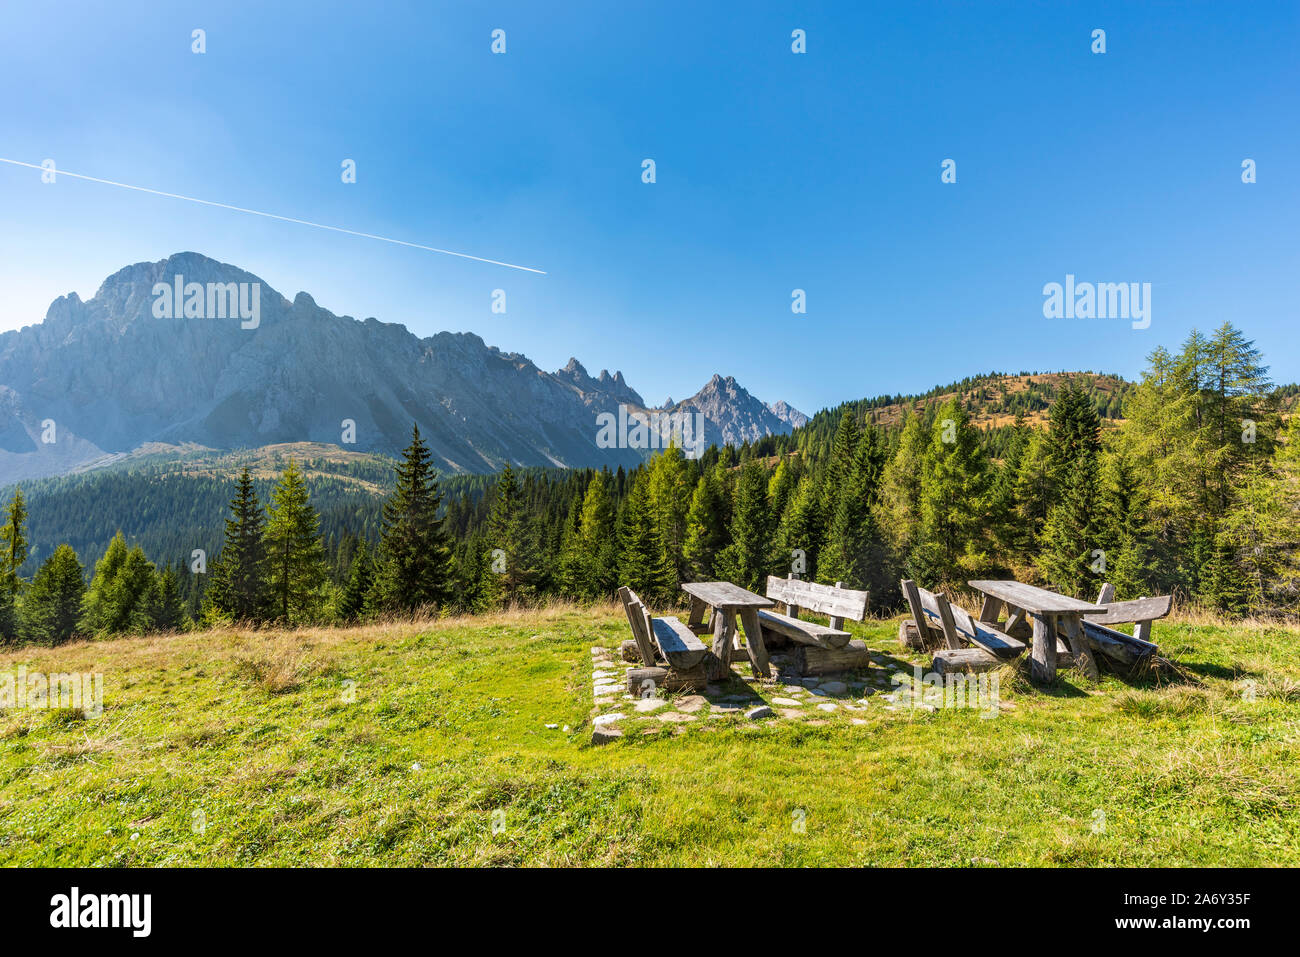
{"x": 744, "y": 699}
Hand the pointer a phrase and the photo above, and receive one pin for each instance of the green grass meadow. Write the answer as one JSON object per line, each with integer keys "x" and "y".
{"x": 425, "y": 744}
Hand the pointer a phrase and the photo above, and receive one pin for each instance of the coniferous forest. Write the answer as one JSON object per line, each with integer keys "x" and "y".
{"x": 1186, "y": 482}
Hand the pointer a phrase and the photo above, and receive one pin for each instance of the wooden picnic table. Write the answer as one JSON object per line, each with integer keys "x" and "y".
{"x": 728, "y": 600}
{"x": 1053, "y": 615}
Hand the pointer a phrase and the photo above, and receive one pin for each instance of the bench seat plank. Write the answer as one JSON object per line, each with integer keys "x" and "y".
{"x": 678, "y": 644}
{"x": 976, "y": 632}
{"x": 804, "y": 632}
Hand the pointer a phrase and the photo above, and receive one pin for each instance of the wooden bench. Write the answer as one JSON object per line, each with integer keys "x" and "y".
{"x": 673, "y": 641}
{"x": 837, "y": 603}
{"x": 827, "y": 648}
{"x": 1140, "y": 612}
{"x": 954, "y": 626}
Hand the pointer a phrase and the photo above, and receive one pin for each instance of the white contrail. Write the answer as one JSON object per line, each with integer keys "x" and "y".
{"x": 287, "y": 219}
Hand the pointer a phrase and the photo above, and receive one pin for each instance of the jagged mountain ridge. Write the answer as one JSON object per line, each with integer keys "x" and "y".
{"x": 111, "y": 376}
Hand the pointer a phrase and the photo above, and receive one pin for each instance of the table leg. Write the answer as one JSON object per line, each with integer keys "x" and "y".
{"x": 1072, "y": 626}
{"x": 1043, "y": 666}
{"x": 724, "y": 633}
{"x": 697, "y": 613}
{"x": 989, "y": 610}
{"x": 1015, "y": 620}
{"x": 754, "y": 641}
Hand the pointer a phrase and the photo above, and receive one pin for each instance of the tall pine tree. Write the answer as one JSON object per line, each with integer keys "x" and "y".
{"x": 295, "y": 558}
{"x": 238, "y": 586}
{"x": 413, "y": 569}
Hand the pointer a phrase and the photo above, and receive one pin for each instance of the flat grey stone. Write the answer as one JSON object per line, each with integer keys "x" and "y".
{"x": 834, "y": 687}
{"x": 605, "y": 735}
{"x": 811, "y": 682}
{"x": 757, "y": 714}
{"x": 604, "y": 719}
{"x": 828, "y": 706}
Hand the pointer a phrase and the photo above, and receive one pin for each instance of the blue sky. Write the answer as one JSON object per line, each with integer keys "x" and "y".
{"x": 775, "y": 171}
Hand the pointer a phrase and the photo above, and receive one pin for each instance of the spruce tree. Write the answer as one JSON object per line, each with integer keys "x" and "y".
{"x": 1073, "y": 534}
{"x": 749, "y": 558}
{"x": 13, "y": 553}
{"x": 669, "y": 489}
{"x": 800, "y": 532}
{"x": 641, "y": 564}
{"x": 361, "y": 576}
{"x": 119, "y": 599}
{"x": 706, "y": 527}
{"x": 510, "y": 562}
{"x": 413, "y": 567}
{"x": 166, "y": 612}
{"x": 954, "y": 498}
{"x": 237, "y": 588}
{"x": 855, "y": 551}
{"x": 295, "y": 557}
{"x": 51, "y": 607}
{"x": 592, "y": 551}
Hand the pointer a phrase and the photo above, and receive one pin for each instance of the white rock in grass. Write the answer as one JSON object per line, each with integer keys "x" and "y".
{"x": 827, "y": 706}
{"x": 757, "y": 714}
{"x": 646, "y": 705}
{"x": 604, "y": 719}
{"x": 605, "y": 735}
{"x": 551, "y": 727}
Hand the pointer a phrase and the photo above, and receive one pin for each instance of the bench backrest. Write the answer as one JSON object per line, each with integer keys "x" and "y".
{"x": 1137, "y": 610}
{"x": 936, "y": 613}
{"x": 638, "y": 620}
{"x": 830, "y": 600}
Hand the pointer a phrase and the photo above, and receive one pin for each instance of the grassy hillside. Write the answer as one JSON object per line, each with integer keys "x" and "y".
{"x": 261, "y": 739}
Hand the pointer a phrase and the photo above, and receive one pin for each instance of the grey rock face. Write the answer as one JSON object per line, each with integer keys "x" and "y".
{"x": 112, "y": 376}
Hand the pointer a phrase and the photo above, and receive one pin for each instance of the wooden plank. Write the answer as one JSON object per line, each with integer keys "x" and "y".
{"x": 837, "y": 602}
{"x": 677, "y": 643}
{"x": 985, "y": 635}
{"x": 1072, "y": 626}
{"x": 636, "y": 621}
{"x": 1107, "y": 594}
{"x": 913, "y": 595}
{"x": 726, "y": 595}
{"x": 1142, "y": 630}
{"x": 989, "y": 609}
{"x": 698, "y": 608}
{"x": 1015, "y": 621}
{"x": 938, "y": 612}
{"x": 754, "y": 642}
{"x": 1116, "y": 646}
{"x": 724, "y": 632}
{"x": 963, "y": 660}
{"x": 950, "y": 635}
{"x": 804, "y": 632}
{"x": 823, "y": 661}
{"x": 1032, "y": 598}
{"x": 1137, "y": 610}
{"x": 647, "y": 682}
{"x": 1043, "y": 665}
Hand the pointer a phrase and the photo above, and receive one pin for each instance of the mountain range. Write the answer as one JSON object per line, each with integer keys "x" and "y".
{"x": 122, "y": 375}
